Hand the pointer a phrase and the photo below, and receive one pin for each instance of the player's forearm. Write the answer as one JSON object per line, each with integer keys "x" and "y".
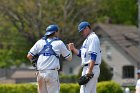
{"x": 75, "y": 51}
{"x": 69, "y": 57}
{"x": 91, "y": 65}
{"x": 92, "y": 62}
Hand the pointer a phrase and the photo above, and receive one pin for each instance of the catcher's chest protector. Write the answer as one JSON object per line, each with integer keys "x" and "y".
{"x": 47, "y": 49}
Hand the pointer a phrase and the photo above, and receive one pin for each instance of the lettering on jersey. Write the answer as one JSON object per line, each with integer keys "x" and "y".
{"x": 47, "y": 48}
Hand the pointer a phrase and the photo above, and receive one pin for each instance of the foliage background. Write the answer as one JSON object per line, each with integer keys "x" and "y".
{"x": 102, "y": 87}
{"x": 23, "y": 22}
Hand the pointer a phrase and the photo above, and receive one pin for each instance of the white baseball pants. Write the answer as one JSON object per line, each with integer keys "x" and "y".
{"x": 48, "y": 81}
{"x": 90, "y": 87}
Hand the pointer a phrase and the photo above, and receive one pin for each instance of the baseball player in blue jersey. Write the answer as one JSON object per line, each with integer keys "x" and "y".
{"x": 49, "y": 50}
{"x": 90, "y": 54}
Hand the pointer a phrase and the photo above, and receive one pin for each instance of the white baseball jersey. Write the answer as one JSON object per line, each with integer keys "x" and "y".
{"x": 49, "y": 62}
{"x": 138, "y": 86}
{"x": 91, "y": 45}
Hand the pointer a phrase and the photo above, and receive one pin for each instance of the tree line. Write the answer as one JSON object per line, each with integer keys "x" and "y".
{"x": 23, "y": 22}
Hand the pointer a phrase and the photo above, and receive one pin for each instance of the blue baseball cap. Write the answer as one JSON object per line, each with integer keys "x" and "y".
{"x": 83, "y": 25}
{"x": 51, "y": 29}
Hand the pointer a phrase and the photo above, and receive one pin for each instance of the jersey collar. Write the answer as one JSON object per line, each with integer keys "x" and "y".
{"x": 91, "y": 33}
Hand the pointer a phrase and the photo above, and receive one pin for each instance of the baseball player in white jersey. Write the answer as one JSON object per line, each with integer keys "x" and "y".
{"x": 49, "y": 51}
{"x": 138, "y": 83}
{"x": 90, "y": 54}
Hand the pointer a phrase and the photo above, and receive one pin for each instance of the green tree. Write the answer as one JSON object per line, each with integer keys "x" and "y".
{"x": 26, "y": 20}
{"x": 13, "y": 48}
{"x": 105, "y": 72}
{"x": 119, "y": 11}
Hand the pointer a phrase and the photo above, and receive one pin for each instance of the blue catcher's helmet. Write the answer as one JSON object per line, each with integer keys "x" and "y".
{"x": 51, "y": 29}
{"x": 83, "y": 25}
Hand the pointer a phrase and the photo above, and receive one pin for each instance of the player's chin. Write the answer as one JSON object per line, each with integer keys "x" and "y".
{"x": 84, "y": 36}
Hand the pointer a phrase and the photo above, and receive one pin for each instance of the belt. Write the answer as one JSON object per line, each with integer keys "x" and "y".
{"x": 87, "y": 64}
{"x": 48, "y": 69}
{"x": 53, "y": 69}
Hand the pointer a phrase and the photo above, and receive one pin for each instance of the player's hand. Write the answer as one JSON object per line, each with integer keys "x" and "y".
{"x": 71, "y": 46}
{"x": 89, "y": 73}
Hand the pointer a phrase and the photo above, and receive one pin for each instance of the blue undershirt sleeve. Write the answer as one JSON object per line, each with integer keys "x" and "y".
{"x": 79, "y": 54}
{"x": 93, "y": 56}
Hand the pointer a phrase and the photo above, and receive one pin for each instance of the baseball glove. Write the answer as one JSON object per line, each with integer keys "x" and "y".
{"x": 85, "y": 79}
{"x": 34, "y": 60}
